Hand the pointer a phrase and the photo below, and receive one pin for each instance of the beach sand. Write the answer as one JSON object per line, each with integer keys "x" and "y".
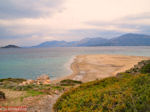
{"x": 91, "y": 67}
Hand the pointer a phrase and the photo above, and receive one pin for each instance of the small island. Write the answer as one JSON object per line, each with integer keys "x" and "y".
{"x": 11, "y": 46}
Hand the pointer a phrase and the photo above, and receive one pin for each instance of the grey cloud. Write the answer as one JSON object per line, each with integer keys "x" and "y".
{"x": 127, "y": 22}
{"x": 28, "y": 8}
{"x": 145, "y": 29}
{"x": 92, "y": 33}
{"x": 129, "y": 18}
{"x": 145, "y": 15}
{"x": 31, "y": 10}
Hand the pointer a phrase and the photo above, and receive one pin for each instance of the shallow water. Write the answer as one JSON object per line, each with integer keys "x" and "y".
{"x": 32, "y": 62}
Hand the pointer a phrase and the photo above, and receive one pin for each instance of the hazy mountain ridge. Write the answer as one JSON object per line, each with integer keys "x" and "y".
{"x": 123, "y": 40}
{"x": 130, "y": 40}
{"x": 52, "y": 44}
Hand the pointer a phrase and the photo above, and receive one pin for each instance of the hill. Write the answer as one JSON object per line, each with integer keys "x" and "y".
{"x": 124, "y": 40}
{"x": 130, "y": 40}
{"x": 125, "y": 93}
{"x": 52, "y": 44}
{"x": 11, "y": 46}
{"x": 91, "y": 42}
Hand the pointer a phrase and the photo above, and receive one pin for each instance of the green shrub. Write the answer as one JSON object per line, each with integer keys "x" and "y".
{"x": 69, "y": 82}
{"x": 15, "y": 80}
{"x": 129, "y": 93}
{"x": 34, "y": 93}
{"x": 141, "y": 67}
{"x": 145, "y": 69}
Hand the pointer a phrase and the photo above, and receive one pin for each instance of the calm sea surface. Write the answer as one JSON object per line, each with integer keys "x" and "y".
{"x": 32, "y": 62}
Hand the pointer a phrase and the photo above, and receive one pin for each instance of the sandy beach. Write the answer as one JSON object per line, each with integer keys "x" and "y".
{"x": 91, "y": 67}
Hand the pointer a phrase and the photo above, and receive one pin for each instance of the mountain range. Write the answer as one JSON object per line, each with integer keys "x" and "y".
{"x": 123, "y": 40}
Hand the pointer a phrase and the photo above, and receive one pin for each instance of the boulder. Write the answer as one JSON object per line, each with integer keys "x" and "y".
{"x": 27, "y": 82}
{"x": 30, "y": 81}
{"x": 43, "y": 79}
{"x": 2, "y": 95}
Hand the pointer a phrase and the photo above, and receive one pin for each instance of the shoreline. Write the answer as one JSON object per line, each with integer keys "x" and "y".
{"x": 72, "y": 67}
{"x": 67, "y": 65}
{"x": 90, "y": 67}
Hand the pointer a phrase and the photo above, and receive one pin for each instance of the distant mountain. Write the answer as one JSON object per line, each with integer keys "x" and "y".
{"x": 52, "y": 44}
{"x": 11, "y": 46}
{"x": 130, "y": 40}
{"x": 92, "y": 42}
{"x": 124, "y": 40}
{"x": 83, "y": 42}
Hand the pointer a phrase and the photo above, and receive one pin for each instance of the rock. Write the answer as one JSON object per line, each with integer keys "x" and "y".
{"x": 43, "y": 79}
{"x": 27, "y": 82}
{"x": 2, "y": 95}
{"x": 30, "y": 81}
{"x": 1, "y": 83}
{"x": 57, "y": 92}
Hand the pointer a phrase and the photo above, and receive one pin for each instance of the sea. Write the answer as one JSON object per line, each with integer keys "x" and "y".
{"x": 29, "y": 63}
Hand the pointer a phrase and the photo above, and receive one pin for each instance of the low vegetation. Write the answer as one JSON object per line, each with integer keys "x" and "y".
{"x": 15, "y": 80}
{"x": 141, "y": 67}
{"x": 69, "y": 82}
{"x": 128, "y": 92}
{"x": 11, "y": 86}
{"x": 146, "y": 68}
{"x": 31, "y": 88}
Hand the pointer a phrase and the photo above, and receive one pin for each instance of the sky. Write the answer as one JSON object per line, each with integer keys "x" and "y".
{"x": 30, "y": 22}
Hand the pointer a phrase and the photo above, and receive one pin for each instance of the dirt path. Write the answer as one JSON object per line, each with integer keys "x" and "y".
{"x": 45, "y": 104}
{"x": 41, "y": 103}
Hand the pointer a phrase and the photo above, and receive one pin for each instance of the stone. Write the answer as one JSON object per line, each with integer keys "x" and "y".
{"x": 30, "y": 81}
{"x": 27, "y": 82}
{"x": 43, "y": 79}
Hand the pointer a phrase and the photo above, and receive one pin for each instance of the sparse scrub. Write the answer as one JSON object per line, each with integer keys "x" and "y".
{"x": 141, "y": 67}
{"x": 129, "y": 93}
{"x": 15, "y": 80}
{"x": 69, "y": 82}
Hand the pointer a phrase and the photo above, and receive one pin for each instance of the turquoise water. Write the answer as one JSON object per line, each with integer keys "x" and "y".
{"x": 32, "y": 62}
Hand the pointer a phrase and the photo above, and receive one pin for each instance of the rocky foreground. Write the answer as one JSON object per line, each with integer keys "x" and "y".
{"x": 37, "y": 95}
{"x": 43, "y": 79}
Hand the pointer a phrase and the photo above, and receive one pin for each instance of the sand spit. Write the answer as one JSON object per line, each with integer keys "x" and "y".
{"x": 91, "y": 67}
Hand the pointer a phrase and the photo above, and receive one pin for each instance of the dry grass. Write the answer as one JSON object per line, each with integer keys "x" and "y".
{"x": 13, "y": 98}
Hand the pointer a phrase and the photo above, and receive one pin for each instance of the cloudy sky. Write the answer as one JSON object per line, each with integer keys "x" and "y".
{"x": 30, "y": 22}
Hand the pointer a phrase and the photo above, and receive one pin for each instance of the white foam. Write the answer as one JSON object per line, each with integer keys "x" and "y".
{"x": 78, "y": 77}
{"x": 68, "y": 64}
